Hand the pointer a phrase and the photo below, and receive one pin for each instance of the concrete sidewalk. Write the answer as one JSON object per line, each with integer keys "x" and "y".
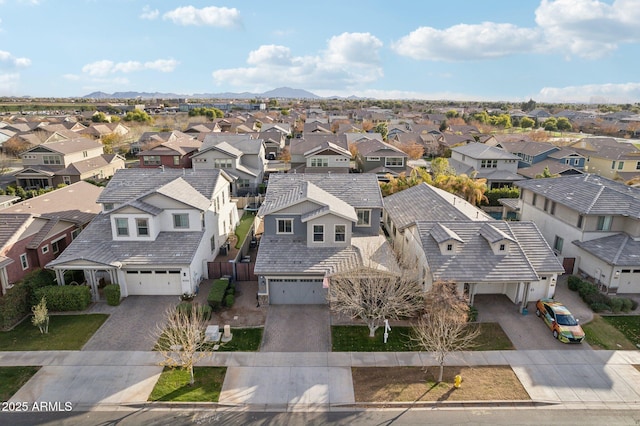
{"x": 319, "y": 380}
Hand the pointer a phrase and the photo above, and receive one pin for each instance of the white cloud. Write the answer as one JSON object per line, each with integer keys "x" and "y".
{"x": 72, "y": 77}
{"x": 592, "y": 93}
{"x": 105, "y": 67}
{"x": 7, "y": 59}
{"x": 208, "y": 16}
{"x": 149, "y": 14}
{"x": 350, "y": 60}
{"x": 467, "y": 42}
{"x": 9, "y": 83}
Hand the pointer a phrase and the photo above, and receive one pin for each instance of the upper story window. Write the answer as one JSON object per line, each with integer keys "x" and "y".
{"x": 176, "y": 160}
{"x": 613, "y": 165}
{"x": 394, "y": 161}
{"x": 122, "y": 227}
{"x": 364, "y": 217}
{"x": 24, "y": 262}
{"x": 638, "y": 165}
{"x": 107, "y": 206}
{"x": 142, "y": 225}
{"x": 318, "y": 233}
{"x": 502, "y": 247}
{"x": 151, "y": 160}
{"x": 620, "y": 165}
{"x": 222, "y": 163}
{"x": 85, "y": 154}
{"x": 340, "y": 233}
{"x": 285, "y": 226}
{"x": 580, "y": 220}
{"x": 449, "y": 247}
{"x": 488, "y": 164}
{"x": 51, "y": 159}
{"x": 180, "y": 220}
{"x": 553, "y": 208}
{"x": 558, "y": 243}
{"x": 534, "y": 199}
{"x": 604, "y": 223}
{"x": 319, "y": 162}
{"x": 373, "y": 158}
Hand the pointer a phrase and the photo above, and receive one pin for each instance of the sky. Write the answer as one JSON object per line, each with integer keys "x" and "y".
{"x": 559, "y": 51}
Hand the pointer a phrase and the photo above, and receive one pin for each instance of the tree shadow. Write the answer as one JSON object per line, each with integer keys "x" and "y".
{"x": 393, "y": 419}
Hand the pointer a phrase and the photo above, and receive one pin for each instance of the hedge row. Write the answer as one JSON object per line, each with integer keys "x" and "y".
{"x": 217, "y": 293}
{"x": 187, "y": 307}
{"x": 598, "y": 301}
{"x": 65, "y": 297}
{"x": 112, "y": 294}
{"x": 21, "y": 297}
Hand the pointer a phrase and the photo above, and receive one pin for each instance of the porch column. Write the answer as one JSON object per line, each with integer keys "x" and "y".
{"x": 525, "y": 296}
{"x": 60, "y": 276}
{"x": 91, "y": 277}
{"x": 472, "y": 293}
{"x": 4, "y": 280}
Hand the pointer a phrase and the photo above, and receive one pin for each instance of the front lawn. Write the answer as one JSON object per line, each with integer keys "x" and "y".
{"x": 355, "y": 338}
{"x": 12, "y": 379}
{"x": 173, "y": 385}
{"x": 66, "y": 332}
{"x": 613, "y": 332}
{"x": 244, "y": 340}
{"x": 242, "y": 229}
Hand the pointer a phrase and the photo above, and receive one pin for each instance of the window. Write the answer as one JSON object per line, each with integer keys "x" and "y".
{"x": 613, "y": 165}
{"x": 449, "y": 247}
{"x": 223, "y": 163}
{"x": 502, "y": 247}
{"x": 213, "y": 243}
{"x": 122, "y": 227}
{"x": 143, "y": 227}
{"x": 151, "y": 160}
{"x": 285, "y": 226}
{"x": 546, "y": 204}
{"x": 51, "y": 159}
{"x": 176, "y": 160}
{"x": 180, "y": 220}
{"x": 318, "y": 233}
{"x": 75, "y": 233}
{"x": 55, "y": 246}
{"x": 604, "y": 223}
{"x": 620, "y": 165}
{"x": 107, "y": 206}
{"x": 488, "y": 164}
{"x": 638, "y": 165}
{"x": 340, "y": 233}
{"x": 394, "y": 161}
{"x": 319, "y": 162}
{"x": 85, "y": 154}
{"x": 373, "y": 158}
{"x": 576, "y": 161}
{"x": 66, "y": 180}
{"x": 364, "y": 217}
{"x": 580, "y": 220}
{"x": 45, "y": 249}
{"x": 557, "y": 244}
{"x": 553, "y": 208}
{"x": 243, "y": 183}
{"x": 534, "y": 199}
{"x": 23, "y": 261}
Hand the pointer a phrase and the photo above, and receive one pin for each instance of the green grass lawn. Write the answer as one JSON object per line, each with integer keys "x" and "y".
{"x": 244, "y": 340}
{"x": 173, "y": 385}
{"x": 243, "y": 227}
{"x": 12, "y": 379}
{"x": 612, "y": 332}
{"x": 66, "y": 332}
{"x": 355, "y": 338}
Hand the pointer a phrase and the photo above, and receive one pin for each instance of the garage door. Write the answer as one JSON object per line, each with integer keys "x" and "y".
{"x": 297, "y": 292}
{"x": 153, "y": 282}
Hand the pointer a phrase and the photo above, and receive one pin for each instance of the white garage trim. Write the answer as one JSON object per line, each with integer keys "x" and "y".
{"x": 151, "y": 282}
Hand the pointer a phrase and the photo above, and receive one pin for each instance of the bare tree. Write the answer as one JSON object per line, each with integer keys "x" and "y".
{"x": 181, "y": 339}
{"x": 375, "y": 295}
{"x": 443, "y": 328}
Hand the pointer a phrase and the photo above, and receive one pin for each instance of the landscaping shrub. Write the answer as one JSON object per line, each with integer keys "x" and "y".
{"x": 626, "y": 304}
{"x": 112, "y": 293}
{"x": 229, "y": 300}
{"x": 599, "y": 307}
{"x": 205, "y": 312}
{"x": 184, "y": 308}
{"x": 586, "y": 288}
{"x": 14, "y": 306}
{"x": 37, "y": 279}
{"x": 473, "y": 314}
{"x": 66, "y": 297}
{"x": 634, "y": 305}
{"x": 231, "y": 290}
{"x": 217, "y": 292}
{"x": 616, "y": 304}
{"x": 573, "y": 282}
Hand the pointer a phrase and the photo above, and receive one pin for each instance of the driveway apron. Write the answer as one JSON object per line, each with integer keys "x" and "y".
{"x": 297, "y": 328}
{"x": 131, "y": 324}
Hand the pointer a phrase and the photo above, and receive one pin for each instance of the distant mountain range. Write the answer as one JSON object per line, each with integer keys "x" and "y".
{"x": 281, "y": 92}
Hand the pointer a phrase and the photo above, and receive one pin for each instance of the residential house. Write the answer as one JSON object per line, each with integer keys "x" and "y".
{"x": 380, "y": 158}
{"x": 592, "y": 223}
{"x": 609, "y": 158}
{"x": 149, "y": 140}
{"x": 64, "y": 162}
{"x": 241, "y": 156}
{"x": 155, "y": 234}
{"x": 498, "y": 166}
{"x": 100, "y": 130}
{"x": 536, "y": 156}
{"x": 35, "y": 231}
{"x": 449, "y": 140}
{"x": 317, "y": 225}
{"x": 320, "y": 153}
{"x": 175, "y": 153}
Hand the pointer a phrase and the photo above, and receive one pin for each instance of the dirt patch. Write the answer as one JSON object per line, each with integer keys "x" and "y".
{"x": 244, "y": 313}
{"x": 410, "y": 384}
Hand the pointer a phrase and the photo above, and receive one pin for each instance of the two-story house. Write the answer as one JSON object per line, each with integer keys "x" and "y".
{"x": 156, "y": 232}
{"x": 35, "y": 231}
{"x": 536, "y": 156}
{"x": 175, "y": 153}
{"x": 317, "y": 225}
{"x": 64, "y": 162}
{"x": 609, "y": 158}
{"x": 320, "y": 153}
{"x": 241, "y": 156}
{"x": 380, "y": 158}
{"x": 592, "y": 223}
{"x": 498, "y": 166}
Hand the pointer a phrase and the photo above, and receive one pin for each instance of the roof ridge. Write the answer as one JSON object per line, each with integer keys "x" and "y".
{"x": 620, "y": 249}
{"x": 595, "y": 199}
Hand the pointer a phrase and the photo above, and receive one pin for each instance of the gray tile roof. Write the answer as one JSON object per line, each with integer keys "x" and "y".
{"x": 555, "y": 167}
{"x": 425, "y": 202}
{"x": 475, "y": 260}
{"x": 536, "y": 248}
{"x": 129, "y": 184}
{"x": 357, "y": 190}
{"x": 180, "y": 190}
{"x": 71, "y": 145}
{"x": 169, "y": 248}
{"x": 618, "y": 250}
{"x": 485, "y": 152}
{"x": 246, "y": 144}
{"x": 10, "y": 224}
{"x": 588, "y": 194}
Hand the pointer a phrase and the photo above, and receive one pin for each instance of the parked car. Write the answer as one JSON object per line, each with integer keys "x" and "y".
{"x": 563, "y": 325}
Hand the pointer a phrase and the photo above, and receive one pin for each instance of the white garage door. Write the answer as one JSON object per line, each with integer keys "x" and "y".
{"x": 297, "y": 292}
{"x": 154, "y": 282}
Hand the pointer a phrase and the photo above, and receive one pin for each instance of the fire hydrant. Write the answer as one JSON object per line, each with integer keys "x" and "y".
{"x": 458, "y": 381}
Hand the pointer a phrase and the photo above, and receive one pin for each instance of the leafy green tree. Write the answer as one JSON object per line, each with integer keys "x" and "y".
{"x": 528, "y": 106}
{"x": 563, "y": 124}
{"x": 99, "y": 117}
{"x": 41, "y": 316}
{"x": 382, "y": 129}
{"x": 527, "y": 123}
{"x": 550, "y": 124}
{"x": 138, "y": 115}
{"x": 452, "y": 114}
{"x": 546, "y": 173}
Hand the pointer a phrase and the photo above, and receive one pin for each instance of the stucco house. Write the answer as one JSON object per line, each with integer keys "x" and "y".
{"x": 498, "y": 166}
{"x": 593, "y": 225}
{"x": 175, "y": 153}
{"x": 320, "y": 153}
{"x": 36, "y": 231}
{"x": 380, "y": 158}
{"x": 156, "y": 232}
{"x": 609, "y": 158}
{"x": 317, "y": 225}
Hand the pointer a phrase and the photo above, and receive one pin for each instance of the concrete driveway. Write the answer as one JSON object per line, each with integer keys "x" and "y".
{"x": 529, "y": 331}
{"x": 130, "y": 325}
{"x": 297, "y": 328}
